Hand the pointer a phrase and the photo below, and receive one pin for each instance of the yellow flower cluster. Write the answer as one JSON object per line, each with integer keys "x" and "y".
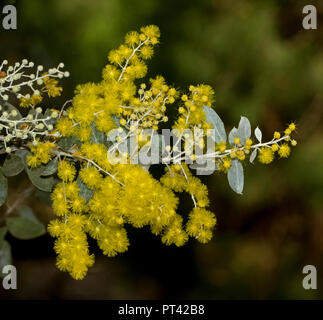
{"x": 31, "y": 101}
{"x": 70, "y": 228}
{"x": 139, "y": 200}
{"x": 192, "y": 113}
{"x": 200, "y": 225}
{"x": 97, "y": 197}
{"x": 41, "y": 153}
{"x": 201, "y": 221}
{"x": 267, "y": 153}
{"x": 66, "y": 172}
{"x": 50, "y": 86}
{"x": 97, "y": 153}
{"x": 71, "y": 245}
{"x": 117, "y": 94}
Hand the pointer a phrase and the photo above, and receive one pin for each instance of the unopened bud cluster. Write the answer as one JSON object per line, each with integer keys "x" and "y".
{"x": 22, "y": 80}
{"x": 29, "y": 128}
{"x": 27, "y": 83}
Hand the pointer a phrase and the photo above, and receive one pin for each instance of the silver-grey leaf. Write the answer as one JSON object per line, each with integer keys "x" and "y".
{"x": 244, "y": 130}
{"x": 258, "y": 134}
{"x": 235, "y": 176}
{"x": 218, "y": 126}
{"x": 253, "y": 155}
{"x": 232, "y": 135}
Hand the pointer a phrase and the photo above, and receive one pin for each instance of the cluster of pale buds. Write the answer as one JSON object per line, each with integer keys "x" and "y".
{"x": 28, "y": 128}
{"x": 14, "y": 77}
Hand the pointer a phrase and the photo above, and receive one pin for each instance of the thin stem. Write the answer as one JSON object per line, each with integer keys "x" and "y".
{"x": 88, "y": 161}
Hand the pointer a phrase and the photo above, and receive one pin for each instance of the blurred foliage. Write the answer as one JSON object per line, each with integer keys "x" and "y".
{"x": 262, "y": 64}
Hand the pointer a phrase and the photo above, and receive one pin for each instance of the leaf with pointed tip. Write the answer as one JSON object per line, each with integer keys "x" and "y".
{"x": 244, "y": 130}
{"x": 218, "y": 126}
{"x": 258, "y": 134}
{"x": 235, "y": 176}
{"x": 232, "y": 135}
{"x": 253, "y": 155}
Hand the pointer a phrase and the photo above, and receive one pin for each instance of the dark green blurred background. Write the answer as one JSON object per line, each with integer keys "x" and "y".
{"x": 263, "y": 65}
